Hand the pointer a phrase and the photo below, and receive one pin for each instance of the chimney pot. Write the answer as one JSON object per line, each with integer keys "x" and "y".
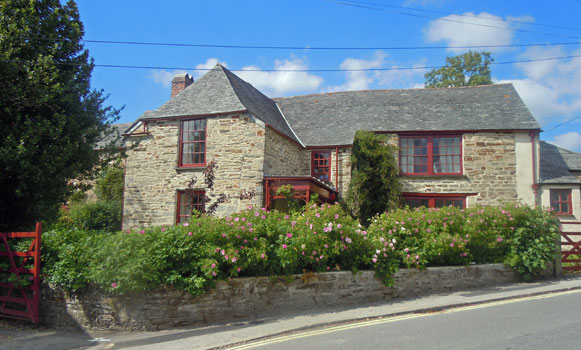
{"x": 179, "y": 82}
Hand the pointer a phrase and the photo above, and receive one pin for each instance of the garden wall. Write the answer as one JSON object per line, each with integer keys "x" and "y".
{"x": 257, "y": 296}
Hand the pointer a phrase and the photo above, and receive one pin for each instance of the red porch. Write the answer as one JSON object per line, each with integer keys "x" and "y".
{"x": 303, "y": 186}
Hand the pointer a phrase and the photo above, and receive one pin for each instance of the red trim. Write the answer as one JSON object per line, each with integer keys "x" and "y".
{"x": 300, "y": 183}
{"x": 559, "y": 202}
{"x": 337, "y": 168}
{"x": 452, "y": 132}
{"x": 195, "y": 205}
{"x": 328, "y": 146}
{"x": 181, "y": 144}
{"x": 300, "y": 178}
{"x": 432, "y": 197}
{"x": 317, "y": 168}
{"x": 429, "y": 155}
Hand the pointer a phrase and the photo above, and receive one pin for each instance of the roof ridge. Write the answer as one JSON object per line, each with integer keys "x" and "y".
{"x": 384, "y": 90}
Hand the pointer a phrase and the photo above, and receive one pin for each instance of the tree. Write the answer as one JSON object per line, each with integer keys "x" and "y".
{"x": 51, "y": 119}
{"x": 374, "y": 186}
{"x": 469, "y": 69}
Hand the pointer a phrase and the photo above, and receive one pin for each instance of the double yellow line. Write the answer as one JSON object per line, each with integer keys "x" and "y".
{"x": 392, "y": 319}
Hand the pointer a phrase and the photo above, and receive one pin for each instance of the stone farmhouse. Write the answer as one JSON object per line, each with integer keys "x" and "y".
{"x": 457, "y": 146}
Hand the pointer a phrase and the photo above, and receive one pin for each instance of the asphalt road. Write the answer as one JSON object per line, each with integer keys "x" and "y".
{"x": 543, "y": 322}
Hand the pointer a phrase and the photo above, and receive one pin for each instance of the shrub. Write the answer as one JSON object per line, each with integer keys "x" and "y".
{"x": 109, "y": 185}
{"x": 522, "y": 237}
{"x": 374, "y": 186}
{"x": 532, "y": 244}
{"x": 426, "y": 237}
{"x": 101, "y": 215}
{"x": 256, "y": 242}
{"x": 67, "y": 254}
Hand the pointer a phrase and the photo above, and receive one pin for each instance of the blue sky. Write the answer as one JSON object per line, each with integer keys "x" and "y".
{"x": 550, "y": 88}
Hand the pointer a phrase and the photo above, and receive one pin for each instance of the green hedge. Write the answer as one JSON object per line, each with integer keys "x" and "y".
{"x": 255, "y": 242}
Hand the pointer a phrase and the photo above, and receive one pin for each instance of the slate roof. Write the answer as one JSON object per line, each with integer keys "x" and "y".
{"x": 557, "y": 163}
{"x": 116, "y": 135}
{"x": 330, "y": 119}
{"x": 333, "y": 118}
{"x": 221, "y": 91}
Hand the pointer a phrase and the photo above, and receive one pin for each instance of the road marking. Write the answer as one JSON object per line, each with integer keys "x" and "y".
{"x": 98, "y": 340}
{"x": 392, "y": 319}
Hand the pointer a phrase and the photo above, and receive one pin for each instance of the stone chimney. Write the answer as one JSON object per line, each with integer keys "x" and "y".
{"x": 180, "y": 81}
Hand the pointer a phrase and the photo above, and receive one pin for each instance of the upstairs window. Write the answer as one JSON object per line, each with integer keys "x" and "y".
{"x": 187, "y": 202}
{"x": 193, "y": 143}
{"x": 321, "y": 166}
{"x": 561, "y": 202}
{"x": 430, "y": 155}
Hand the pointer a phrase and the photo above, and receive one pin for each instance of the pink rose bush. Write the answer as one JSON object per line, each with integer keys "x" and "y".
{"x": 258, "y": 242}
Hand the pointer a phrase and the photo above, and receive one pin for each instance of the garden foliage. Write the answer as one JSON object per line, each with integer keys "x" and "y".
{"x": 374, "y": 186}
{"x": 256, "y": 242}
{"x": 51, "y": 118}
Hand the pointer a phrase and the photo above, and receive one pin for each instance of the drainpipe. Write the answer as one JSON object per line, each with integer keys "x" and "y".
{"x": 266, "y": 194}
{"x": 535, "y": 186}
{"x": 337, "y": 168}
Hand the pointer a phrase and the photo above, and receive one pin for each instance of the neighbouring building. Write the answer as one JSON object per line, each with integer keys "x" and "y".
{"x": 457, "y": 146}
{"x": 560, "y": 183}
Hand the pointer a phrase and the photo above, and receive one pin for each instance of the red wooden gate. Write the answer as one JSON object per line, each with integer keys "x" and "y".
{"x": 571, "y": 247}
{"x": 20, "y": 276}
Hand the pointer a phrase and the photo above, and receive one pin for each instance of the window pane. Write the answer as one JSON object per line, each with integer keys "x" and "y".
{"x": 446, "y": 156}
{"x": 564, "y": 207}
{"x": 416, "y": 202}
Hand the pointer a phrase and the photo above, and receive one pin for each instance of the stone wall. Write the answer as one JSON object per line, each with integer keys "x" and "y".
{"x": 344, "y": 178}
{"x": 489, "y": 170}
{"x": 284, "y": 157}
{"x": 258, "y": 296}
{"x": 153, "y": 177}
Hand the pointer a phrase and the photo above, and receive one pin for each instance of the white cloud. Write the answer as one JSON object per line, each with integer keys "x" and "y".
{"x": 550, "y": 89}
{"x": 164, "y": 77}
{"x": 570, "y": 141}
{"x": 404, "y": 78}
{"x": 394, "y": 78}
{"x": 542, "y": 100}
{"x": 280, "y": 82}
{"x": 359, "y": 80}
{"x": 209, "y": 64}
{"x": 457, "y": 30}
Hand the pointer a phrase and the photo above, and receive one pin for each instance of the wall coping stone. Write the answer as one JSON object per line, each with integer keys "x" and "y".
{"x": 247, "y": 297}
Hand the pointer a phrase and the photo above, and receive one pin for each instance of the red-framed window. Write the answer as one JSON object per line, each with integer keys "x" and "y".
{"x": 187, "y": 202}
{"x": 434, "y": 201}
{"x": 561, "y": 202}
{"x": 430, "y": 155}
{"x": 321, "y": 165}
{"x": 193, "y": 143}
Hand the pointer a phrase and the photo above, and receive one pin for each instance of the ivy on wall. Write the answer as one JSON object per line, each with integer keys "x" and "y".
{"x": 374, "y": 186}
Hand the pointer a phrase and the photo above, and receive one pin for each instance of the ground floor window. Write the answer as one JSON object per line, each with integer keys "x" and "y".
{"x": 188, "y": 201}
{"x": 434, "y": 200}
{"x": 561, "y": 202}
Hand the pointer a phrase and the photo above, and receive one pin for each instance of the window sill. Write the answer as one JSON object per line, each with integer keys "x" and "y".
{"x": 433, "y": 176}
{"x": 190, "y": 168}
